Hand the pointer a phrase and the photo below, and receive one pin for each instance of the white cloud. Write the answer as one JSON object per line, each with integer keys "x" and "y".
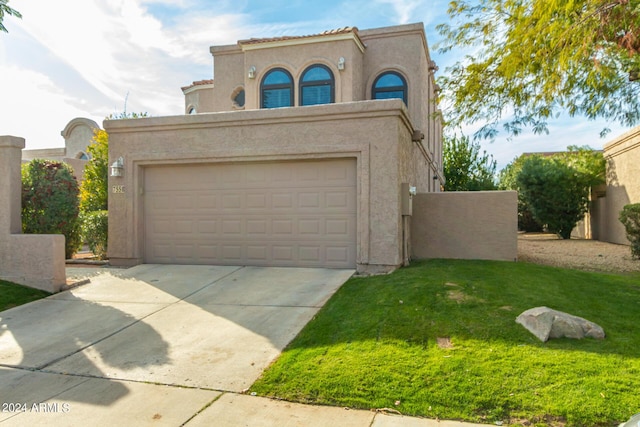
{"x": 71, "y": 59}
{"x": 31, "y": 101}
{"x": 404, "y": 9}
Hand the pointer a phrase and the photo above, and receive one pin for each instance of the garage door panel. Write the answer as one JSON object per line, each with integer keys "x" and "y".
{"x": 286, "y": 214}
{"x": 294, "y": 254}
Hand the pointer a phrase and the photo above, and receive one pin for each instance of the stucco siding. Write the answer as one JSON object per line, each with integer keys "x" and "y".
{"x": 295, "y": 59}
{"x": 623, "y": 186}
{"x": 465, "y": 225}
{"x": 229, "y": 75}
{"x": 369, "y": 131}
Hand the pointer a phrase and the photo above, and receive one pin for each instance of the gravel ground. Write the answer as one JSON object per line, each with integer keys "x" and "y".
{"x": 591, "y": 255}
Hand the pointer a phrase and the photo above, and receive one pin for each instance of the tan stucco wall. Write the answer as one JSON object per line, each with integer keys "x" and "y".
{"x": 376, "y": 133}
{"x": 44, "y": 153}
{"x": 78, "y": 167}
{"x": 623, "y": 186}
{"x": 201, "y": 97}
{"x": 77, "y": 134}
{"x": 32, "y": 260}
{"x": 404, "y": 49}
{"x": 465, "y": 225}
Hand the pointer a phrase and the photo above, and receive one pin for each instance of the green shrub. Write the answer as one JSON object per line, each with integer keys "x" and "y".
{"x": 50, "y": 202}
{"x": 630, "y": 218}
{"x": 95, "y": 226}
{"x": 93, "y": 190}
{"x": 557, "y": 194}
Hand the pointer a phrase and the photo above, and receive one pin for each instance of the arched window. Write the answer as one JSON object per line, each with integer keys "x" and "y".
{"x": 389, "y": 85}
{"x": 276, "y": 89}
{"x": 317, "y": 86}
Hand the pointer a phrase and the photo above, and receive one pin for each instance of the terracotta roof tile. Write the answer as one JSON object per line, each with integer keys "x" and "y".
{"x": 344, "y": 30}
{"x": 198, "y": 83}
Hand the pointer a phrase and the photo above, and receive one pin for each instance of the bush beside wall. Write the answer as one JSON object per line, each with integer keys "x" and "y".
{"x": 630, "y": 218}
{"x": 95, "y": 226}
{"x": 50, "y": 202}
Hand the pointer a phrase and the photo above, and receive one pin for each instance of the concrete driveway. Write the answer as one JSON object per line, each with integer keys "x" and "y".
{"x": 153, "y": 343}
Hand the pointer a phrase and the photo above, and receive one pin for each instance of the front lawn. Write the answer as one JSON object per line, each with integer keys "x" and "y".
{"x": 439, "y": 339}
{"x": 13, "y": 295}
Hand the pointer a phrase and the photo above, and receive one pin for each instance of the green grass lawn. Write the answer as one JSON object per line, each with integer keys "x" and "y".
{"x": 439, "y": 339}
{"x": 13, "y": 295}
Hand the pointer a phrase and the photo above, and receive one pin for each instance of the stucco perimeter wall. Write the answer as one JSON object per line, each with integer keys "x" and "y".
{"x": 376, "y": 133}
{"x": 623, "y": 186}
{"x": 32, "y": 260}
{"x": 465, "y": 225}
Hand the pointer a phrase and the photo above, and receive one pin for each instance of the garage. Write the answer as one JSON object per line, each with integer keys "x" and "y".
{"x": 297, "y": 213}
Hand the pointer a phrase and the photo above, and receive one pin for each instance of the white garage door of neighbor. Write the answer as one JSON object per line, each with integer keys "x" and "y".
{"x": 299, "y": 214}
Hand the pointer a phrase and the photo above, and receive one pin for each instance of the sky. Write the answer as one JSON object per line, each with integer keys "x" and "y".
{"x": 91, "y": 58}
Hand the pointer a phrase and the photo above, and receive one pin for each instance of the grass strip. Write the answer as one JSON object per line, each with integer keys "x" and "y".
{"x": 13, "y": 295}
{"x": 439, "y": 339}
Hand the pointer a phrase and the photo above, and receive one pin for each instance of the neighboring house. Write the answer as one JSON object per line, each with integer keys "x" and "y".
{"x": 77, "y": 135}
{"x": 622, "y": 188}
{"x": 294, "y": 155}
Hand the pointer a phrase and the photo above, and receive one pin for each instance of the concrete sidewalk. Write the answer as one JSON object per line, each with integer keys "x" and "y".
{"x": 70, "y": 402}
{"x": 166, "y": 345}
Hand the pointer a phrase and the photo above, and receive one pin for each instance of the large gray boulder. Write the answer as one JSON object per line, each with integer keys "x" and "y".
{"x": 546, "y": 323}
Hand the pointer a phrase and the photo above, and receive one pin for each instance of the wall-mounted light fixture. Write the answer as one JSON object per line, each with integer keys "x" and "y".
{"x": 433, "y": 67}
{"x": 117, "y": 168}
{"x": 252, "y": 72}
{"x": 341, "y": 63}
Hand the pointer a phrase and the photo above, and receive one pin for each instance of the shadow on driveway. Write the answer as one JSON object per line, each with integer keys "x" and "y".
{"x": 211, "y": 327}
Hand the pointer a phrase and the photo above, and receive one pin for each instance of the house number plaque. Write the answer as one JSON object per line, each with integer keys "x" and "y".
{"x": 118, "y": 189}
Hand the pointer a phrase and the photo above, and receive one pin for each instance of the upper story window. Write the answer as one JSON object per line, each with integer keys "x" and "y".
{"x": 276, "y": 89}
{"x": 317, "y": 86}
{"x": 389, "y": 85}
{"x": 238, "y": 98}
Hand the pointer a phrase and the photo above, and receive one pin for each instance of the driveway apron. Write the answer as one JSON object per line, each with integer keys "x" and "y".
{"x": 208, "y": 329}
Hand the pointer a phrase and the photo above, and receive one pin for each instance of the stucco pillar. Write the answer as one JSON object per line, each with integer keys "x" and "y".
{"x": 10, "y": 185}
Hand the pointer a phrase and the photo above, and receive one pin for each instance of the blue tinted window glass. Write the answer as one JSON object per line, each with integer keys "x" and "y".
{"x": 315, "y": 95}
{"x": 389, "y": 80}
{"x": 317, "y": 86}
{"x": 389, "y": 85}
{"x": 390, "y": 95}
{"x": 316, "y": 74}
{"x": 276, "y": 98}
{"x": 239, "y": 99}
{"x": 277, "y": 89}
{"x": 277, "y": 77}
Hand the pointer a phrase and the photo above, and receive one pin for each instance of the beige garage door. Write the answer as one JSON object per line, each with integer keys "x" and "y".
{"x": 277, "y": 214}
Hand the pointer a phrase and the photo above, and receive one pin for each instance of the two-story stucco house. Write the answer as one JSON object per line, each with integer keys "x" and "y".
{"x": 299, "y": 152}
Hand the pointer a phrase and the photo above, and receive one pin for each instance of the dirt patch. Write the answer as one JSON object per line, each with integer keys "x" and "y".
{"x": 444, "y": 342}
{"x": 581, "y": 254}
